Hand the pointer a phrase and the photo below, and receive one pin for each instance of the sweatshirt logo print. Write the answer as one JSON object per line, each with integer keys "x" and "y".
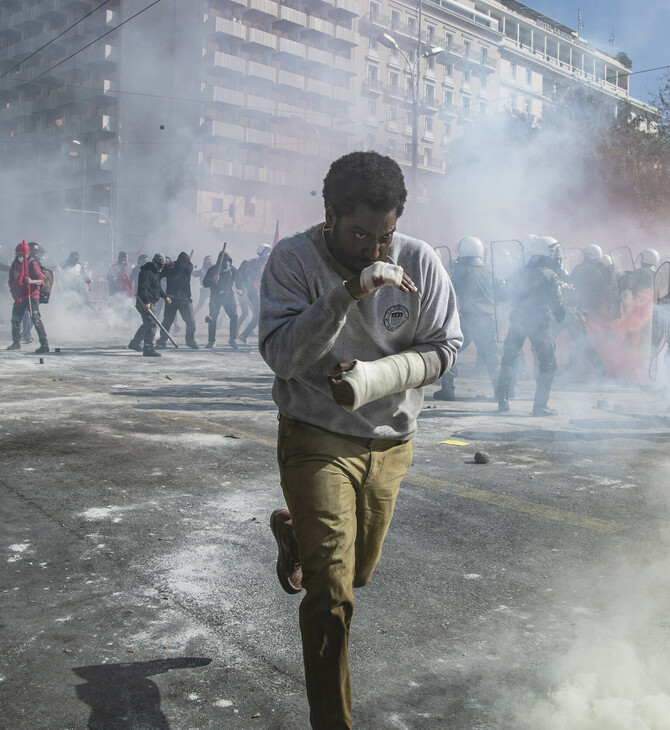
{"x": 395, "y": 317}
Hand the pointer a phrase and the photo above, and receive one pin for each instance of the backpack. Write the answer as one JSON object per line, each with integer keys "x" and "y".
{"x": 45, "y": 289}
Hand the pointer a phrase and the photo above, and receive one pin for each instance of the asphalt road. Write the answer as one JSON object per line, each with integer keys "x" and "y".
{"x": 137, "y": 577}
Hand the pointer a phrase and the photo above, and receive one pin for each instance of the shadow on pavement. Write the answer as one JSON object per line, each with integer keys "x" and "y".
{"x": 122, "y": 697}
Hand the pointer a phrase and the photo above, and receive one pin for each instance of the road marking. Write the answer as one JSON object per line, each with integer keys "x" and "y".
{"x": 479, "y": 495}
{"x": 517, "y": 505}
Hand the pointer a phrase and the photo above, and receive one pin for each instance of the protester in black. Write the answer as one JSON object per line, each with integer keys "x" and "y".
{"x": 148, "y": 293}
{"x": 178, "y": 288}
{"x": 220, "y": 279}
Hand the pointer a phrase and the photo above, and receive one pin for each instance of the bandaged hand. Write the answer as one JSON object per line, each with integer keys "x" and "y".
{"x": 380, "y": 274}
{"x": 357, "y": 383}
{"x": 377, "y": 275}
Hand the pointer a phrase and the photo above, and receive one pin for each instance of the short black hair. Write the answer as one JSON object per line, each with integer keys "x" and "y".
{"x": 365, "y": 177}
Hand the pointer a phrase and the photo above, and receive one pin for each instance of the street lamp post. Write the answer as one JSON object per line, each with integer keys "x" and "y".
{"x": 389, "y": 41}
{"x": 109, "y": 221}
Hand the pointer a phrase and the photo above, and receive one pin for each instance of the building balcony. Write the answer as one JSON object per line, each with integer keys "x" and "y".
{"x": 318, "y": 29}
{"x": 287, "y": 111}
{"x": 430, "y": 103}
{"x": 315, "y": 57}
{"x": 257, "y": 138}
{"x": 223, "y": 97}
{"x": 228, "y": 29}
{"x": 104, "y": 57}
{"x": 346, "y": 96}
{"x": 224, "y": 168}
{"x": 344, "y": 38}
{"x": 289, "y": 19}
{"x": 343, "y": 66}
{"x": 259, "y": 107}
{"x": 260, "y": 76}
{"x": 320, "y": 88}
{"x": 282, "y": 143}
{"x": 253, "y": 173}
{"x": 396, "y": 93}
{"x": 224, "y": 62}
{"x": 290, "y": 48}
{"x": 374, "y": 24}
{"x": 260, "y": 39}
{"x": 290, "y": 80}
{"x": 345, "y": 10}
{"x": 224, "y": 130}
{"x": 372, "y": 87}
{"x": 448, "y": 111}
{"x": 261, "y": 9}
{"x": 486, "y": 66}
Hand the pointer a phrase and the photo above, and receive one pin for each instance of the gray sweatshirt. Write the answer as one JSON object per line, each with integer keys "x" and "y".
{"x": 309, "y": 322}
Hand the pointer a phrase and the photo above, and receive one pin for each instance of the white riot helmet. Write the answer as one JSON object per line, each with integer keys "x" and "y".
{"x": 607, "y": 259}
{"x": 263, "y": 250}
{"x": 470, "y": 246}
{"x": 592, "y": 252}
{"x": 649, "y": 257}
{"x": 543, "y": 246}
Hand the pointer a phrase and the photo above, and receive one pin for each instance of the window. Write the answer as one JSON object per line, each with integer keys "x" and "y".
{"x": 395, "y": 18}
{"x": 465, "y": 105}
{"x": 512, "y": 71}
{"x": 372, "y": 108}
{"x": 393, "y": 113}
{"x": 432, "y": 31}
{"x": 485, "y": 54}
{"x": 430, "y": 63}
{"x": 395, "y": 81}
{"x": 411, "y": 25}
{"x": 428, "y": 124}
{"x": 374, "y": 10}
{"x": 408, "y": 150}
{"x": 391, "y": 144}
{"x": 430, "y": 93}
{"x": 370, "y": 140}
{"x": 448, "y": 98}
{"x": 449, "y": 69}
{"x": 427, "y": 156}
{"x": 529, "y": 77}
{"x": 467, "y": 77}
{"x": 372, "y": 44}
{"x": 467, "y": 46}
{"x": 483, "y": 82}
{"x": 527, "y": 106}
{"x": 373, "y": 75}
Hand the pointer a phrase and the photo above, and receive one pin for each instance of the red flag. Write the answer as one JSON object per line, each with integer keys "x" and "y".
{"x": 276, "y": 238}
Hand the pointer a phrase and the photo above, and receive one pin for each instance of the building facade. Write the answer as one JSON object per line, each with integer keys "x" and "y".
{"x": 217, "y": 118}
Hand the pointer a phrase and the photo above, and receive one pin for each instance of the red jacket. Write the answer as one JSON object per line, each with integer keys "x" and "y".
{"x": 17, "y": 284}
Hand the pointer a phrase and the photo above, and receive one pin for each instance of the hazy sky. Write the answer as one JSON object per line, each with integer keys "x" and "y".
{"x": 640, "y": 30}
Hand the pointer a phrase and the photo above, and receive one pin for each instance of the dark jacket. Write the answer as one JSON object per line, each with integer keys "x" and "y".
{"x": 473, "y": 284}
{"x": 178, "y": 278}
{"x": 149, "y": 284}
{"x": 227, "y": 276}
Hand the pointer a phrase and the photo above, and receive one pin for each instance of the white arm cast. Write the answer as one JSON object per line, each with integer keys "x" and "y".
{"x": 392, "y": 374}
{"x": 390, "y": 274}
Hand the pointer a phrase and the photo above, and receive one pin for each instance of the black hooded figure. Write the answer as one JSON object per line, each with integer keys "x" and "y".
{"x": 220, "y": 279}
{"x": 177, "y": 275}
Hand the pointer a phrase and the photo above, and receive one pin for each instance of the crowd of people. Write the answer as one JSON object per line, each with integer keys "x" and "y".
{"x": 160, "y": 288}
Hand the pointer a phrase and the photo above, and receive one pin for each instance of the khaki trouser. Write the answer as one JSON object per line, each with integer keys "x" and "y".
{"x": 340, "y": 491}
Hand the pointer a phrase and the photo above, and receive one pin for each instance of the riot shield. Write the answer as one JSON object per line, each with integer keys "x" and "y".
{"x": 660, "y": 320}
{"x": 506, "y": 257}
{"x": 444, "y": 252}
{"x": 622, "y": 261}
{"x": 573, "y": 255}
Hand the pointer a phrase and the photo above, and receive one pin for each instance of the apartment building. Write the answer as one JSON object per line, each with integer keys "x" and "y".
{"x": 221, "y": 116}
